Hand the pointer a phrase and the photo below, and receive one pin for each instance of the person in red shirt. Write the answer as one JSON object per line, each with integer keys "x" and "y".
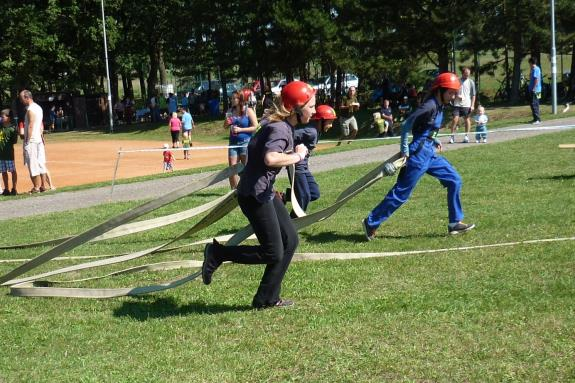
{"x": 168, "y": 159}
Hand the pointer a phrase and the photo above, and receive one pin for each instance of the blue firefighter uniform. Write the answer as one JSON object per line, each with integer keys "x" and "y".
{"x": 423, "y": 124}
{"x": 306, "y": 188}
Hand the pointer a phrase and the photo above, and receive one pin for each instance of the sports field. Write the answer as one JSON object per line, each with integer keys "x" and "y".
{"x": 488, "y": 313}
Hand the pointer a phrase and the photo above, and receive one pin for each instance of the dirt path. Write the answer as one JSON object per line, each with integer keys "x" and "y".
{"x": 86, "y": 162}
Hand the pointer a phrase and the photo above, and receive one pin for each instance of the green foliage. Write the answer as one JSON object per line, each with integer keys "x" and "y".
{"x": 54, "y": 45}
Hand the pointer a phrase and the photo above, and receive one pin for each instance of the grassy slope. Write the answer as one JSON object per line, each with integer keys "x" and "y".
{"x": 483, "y": 315}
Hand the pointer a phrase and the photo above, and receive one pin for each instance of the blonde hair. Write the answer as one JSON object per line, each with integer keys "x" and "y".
{"x": 481, "y": 108}
{"x": 174, "y": 115}
{"x": 276, "y": 113}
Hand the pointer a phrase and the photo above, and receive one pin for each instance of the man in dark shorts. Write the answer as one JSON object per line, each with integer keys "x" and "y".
{"x": 463, "y": 105}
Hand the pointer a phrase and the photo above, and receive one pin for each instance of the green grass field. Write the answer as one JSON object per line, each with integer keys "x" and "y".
{"x": 492, "y": 314}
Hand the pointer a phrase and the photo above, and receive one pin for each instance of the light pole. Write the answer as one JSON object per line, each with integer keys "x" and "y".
{"x": 111, "y": 115}
{"x": 553, "y": 61}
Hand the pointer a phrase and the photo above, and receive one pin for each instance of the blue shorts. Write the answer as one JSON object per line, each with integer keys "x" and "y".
{"x": 7, "y": 166}
{"x": 239, "y": 152}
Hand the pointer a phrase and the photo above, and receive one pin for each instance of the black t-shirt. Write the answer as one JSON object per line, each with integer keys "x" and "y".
{"x": 257, "y": 179}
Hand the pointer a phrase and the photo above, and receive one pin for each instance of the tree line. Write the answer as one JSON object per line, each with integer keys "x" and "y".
{"x": 50, "y": 45}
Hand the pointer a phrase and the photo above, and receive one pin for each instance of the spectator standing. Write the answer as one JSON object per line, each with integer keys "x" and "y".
{"x": 52, "y": 120}
{"x": 404, "y": 109}
{"x": 535, "y": 90}
{"x": 481, "y": 125}
{"x": 34, "y": 152}
{"x": 271, "y": 149}
{"x": 463, "y": 105}
{"x": 8, "y": 138}
{"x": 422, "y": 158}
{"x": 185, "y": 102}
{"x": 348, "y": 107}
{"x": 154, "y": 108}
{"x": 268, "y": 98}
{"x": 242, "y": 122}
{"x": 175, "y": 126}
{"x": 172, "y": 104}
{"x": 119, "y": 109}
{"x": 187, "y": 125}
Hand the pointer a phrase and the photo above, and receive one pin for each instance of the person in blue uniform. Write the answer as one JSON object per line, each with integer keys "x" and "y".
{"x": 306, "y": 187}
{"x": 270, "y": 149}
{"x": 422, "y": 158}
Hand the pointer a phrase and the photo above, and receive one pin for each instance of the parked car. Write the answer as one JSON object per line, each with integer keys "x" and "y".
{"x": 349, "y": 79}
{"x": 278, "y": 85}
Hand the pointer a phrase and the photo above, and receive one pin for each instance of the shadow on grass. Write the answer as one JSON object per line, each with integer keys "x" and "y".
{"x": 144, "y": 308}
{"x": 331, "y": 236}
{"x": 560, "y": 177}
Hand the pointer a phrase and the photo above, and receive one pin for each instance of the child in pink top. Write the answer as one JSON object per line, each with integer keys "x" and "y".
{"x": 175, "y": 126}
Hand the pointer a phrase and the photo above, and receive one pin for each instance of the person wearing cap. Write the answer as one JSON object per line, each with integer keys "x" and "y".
{"x": 422, "y": 158}
{"x": 306, "y": 187}
{"x": 270, "y": 149}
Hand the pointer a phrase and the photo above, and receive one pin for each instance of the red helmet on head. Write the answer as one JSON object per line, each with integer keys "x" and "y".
{"x": 446, "y": 80}
{"x": 296, "y": 94}
{"x": 324, "y": 112}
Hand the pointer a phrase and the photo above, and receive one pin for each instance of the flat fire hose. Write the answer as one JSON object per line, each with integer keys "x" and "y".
{"x": 32, "y": 286}
{"x": 120, "y": 220}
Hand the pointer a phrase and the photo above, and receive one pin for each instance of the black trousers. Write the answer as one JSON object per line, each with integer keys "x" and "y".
{"x": 278, "y": 241}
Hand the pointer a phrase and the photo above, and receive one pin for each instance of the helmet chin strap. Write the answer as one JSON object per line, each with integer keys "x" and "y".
{"x": 298, "y": 115}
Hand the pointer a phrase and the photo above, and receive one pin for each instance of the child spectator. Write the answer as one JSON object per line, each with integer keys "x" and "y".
{"x": 168, "y": 159}
{"x": 186, "y": 144}
{"x": 481, "y": 127}
{"x": 379, "y": 124}
{"x": 8, "y": 137}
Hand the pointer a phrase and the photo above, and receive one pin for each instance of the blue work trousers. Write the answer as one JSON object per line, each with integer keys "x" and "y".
{"x": 306, "y": 188}
{"x": 424, "y": 160}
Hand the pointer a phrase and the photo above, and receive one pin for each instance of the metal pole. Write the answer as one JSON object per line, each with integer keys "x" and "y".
{"x": 553, "y": 61}
{"x": 115, "y": 172}
{"x": 110, "y": 106}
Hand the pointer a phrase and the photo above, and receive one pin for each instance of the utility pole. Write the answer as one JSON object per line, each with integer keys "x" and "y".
{"x": 110, "y": 106}
{"x": 553, "y": 61}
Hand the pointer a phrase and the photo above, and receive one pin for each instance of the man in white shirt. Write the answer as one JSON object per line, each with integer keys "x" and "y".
{"x": 463, "y": 105}
{"x": 34, "y": 154}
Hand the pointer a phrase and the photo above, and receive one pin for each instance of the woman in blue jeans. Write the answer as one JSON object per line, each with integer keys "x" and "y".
{"x": 242, "y": 123}
{"x": 270, "y": 149}
{"x": 422, "y": 158}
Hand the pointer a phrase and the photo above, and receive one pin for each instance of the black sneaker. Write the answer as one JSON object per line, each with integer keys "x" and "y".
{"x": 14, "y": 192}
{"x": 278, "y": 304}
{"x": 6, "y": 192}
{"x": 460, "y": 227}
{"x": 369, "y": 233}
{"x": 211, "y": 263}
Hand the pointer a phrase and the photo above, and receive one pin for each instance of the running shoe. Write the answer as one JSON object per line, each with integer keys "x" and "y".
{"x": 459, "y": 228}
